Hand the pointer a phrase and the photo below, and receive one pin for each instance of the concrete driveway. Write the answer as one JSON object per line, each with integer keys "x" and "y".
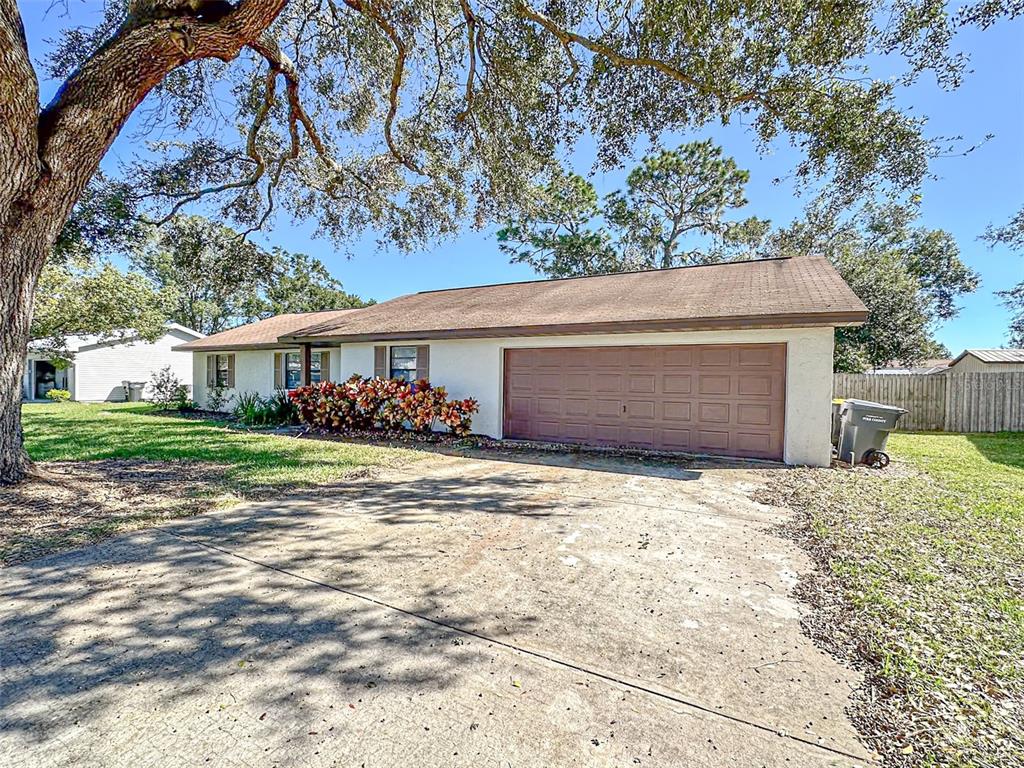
{"x": 456, "y": 612}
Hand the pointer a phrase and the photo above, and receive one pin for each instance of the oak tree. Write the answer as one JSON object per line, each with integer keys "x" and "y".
{"x": 408, "y": 116}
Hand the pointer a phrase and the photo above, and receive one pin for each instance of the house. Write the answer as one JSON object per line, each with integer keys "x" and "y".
{"x": 100, "y": 366}
{"x": 987, "y": 361}
{"x": 936, "y": 365}
{"x": 732, "y": 359}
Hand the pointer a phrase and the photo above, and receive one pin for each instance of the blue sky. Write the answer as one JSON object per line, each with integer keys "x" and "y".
{"x": 967, "y": 194}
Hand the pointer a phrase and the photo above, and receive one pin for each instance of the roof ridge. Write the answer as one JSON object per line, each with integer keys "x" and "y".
{"x": 733, "y": 263}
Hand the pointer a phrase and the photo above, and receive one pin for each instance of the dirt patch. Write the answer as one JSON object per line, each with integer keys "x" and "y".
{"x": 80, "y": 502}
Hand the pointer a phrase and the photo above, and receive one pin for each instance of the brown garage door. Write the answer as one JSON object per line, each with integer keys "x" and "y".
{"x": 723, "y": 399}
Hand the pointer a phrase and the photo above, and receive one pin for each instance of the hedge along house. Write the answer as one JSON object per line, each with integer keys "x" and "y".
{"x": 732, "y": 359}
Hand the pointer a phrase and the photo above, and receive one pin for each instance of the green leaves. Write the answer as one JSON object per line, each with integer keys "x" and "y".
{"x": 673, "y": 199}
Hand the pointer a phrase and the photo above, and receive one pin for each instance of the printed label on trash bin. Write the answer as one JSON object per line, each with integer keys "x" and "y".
{"x": 875, "y": 419}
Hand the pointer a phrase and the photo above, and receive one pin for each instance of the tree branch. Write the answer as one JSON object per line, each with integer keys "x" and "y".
{"x": 89, "y": 110}
{"x": 568, "y": 38}
{"x": 467, "y": 13}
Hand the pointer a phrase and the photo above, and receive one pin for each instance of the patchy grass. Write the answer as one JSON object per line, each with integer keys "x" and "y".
{"x": 252, "y": 461}
{"x": 921, "y": 584}
{"x": 112, "y": 468}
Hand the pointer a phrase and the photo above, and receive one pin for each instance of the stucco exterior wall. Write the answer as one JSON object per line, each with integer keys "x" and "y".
{"x": 473, "y": 368}
{"x": 971, "y": 364}
{"x": 254, "y": 370}
{"x": 99, "y": 370}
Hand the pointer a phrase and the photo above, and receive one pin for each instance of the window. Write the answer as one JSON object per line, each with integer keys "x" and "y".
{"x": 293, "y": 369}
{"x": 403, "y": 363}
{"x": 223, "y": 375}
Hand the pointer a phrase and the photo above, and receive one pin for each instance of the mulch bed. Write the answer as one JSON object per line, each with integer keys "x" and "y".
{"x": 75, "y": 503}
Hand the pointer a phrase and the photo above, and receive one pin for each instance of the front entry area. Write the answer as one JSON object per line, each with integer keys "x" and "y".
{"x": 726, "y": 399}
{"x": 41, "y": 376}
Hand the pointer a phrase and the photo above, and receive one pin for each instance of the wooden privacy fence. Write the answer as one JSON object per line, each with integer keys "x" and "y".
{"x": 944, "y": 402}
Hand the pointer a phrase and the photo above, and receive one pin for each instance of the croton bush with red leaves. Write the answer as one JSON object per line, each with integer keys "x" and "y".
{"x": 389, "y": 404}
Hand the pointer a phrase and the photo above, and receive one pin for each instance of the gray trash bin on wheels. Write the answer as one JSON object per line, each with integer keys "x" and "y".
{"x": 865, "y": 430}
{"x": 133, "y": 390}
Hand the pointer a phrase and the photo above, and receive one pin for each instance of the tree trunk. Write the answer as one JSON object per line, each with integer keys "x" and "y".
{"x": 22, "y": 254}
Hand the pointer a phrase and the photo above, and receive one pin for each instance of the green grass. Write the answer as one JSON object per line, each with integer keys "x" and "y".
{"x": 83, "y": 432}
{"x": 928, "y": 560}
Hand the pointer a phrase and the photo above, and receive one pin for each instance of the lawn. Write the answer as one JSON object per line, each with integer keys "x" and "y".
{"x": 252, "y": 460}
{"x": 124, "y": 467}
{"x": 922, "y": 586}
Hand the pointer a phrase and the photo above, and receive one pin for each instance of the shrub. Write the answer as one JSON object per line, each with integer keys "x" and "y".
{"x": 217, "y": 398}
{"x": 168, "y": 392}
{"x": 58, "y": 395}
{"x": 386, "y": 403}
{"x": 255, "y": 411}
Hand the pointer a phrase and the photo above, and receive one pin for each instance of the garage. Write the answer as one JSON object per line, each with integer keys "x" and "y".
{"x": 726, "y": 399}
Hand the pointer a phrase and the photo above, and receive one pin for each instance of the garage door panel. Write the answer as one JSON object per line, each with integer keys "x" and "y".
{"x": 676, "y": 411}
{"x": 753, "y": 443}
{"x": 726, "y": 399}
{"x": 751, "y": 385}
{"x": 676, "y": 384}
{"x": 716, "y": 413}
{"x": 676, "y": 439}
{"x": 712, "y": 440}
{"x": 678, "y": 357}
{"x": 641, "y": 383}
{"x": 577, "y": 382}
{"x": 765, "y": 357}
{"x": 720, "y": 356}
{"x": 607, "y": 408}
{"x": 753, "y": 415}
{"x": 640, "y": 409}
{"x": 640, "y": 436}
{"x": 549, "y": 406}
{"x": 714, "y": 385}
{"x": 577, "y": 406}
{"x": 608, "y": 382}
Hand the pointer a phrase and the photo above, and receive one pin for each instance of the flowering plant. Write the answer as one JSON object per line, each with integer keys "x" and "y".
{"x": 362, "y": 403}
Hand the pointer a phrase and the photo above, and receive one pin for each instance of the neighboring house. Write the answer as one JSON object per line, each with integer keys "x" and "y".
{"x": 938, "y": 365}
{"x": 988, "y": 361}
{"x": 101, "y": 366}
{"x": 732, "y": 359}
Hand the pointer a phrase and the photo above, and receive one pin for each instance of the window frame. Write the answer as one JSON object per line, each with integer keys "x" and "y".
{"x": 315, "y": 369}
{"x": 222, "y": 375}
{"x": 410, "y": 372}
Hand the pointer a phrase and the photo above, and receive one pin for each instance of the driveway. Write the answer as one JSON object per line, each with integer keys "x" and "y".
{"x": 556, "y": 611}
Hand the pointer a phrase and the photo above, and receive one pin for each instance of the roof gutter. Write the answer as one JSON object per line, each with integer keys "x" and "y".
{"x": 745, "y": 322}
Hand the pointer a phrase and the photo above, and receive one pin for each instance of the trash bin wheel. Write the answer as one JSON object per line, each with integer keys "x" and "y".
{"x": 877, "y": 459}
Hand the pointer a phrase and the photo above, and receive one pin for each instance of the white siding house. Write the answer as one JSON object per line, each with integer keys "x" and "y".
{"x": 100, "y": 367}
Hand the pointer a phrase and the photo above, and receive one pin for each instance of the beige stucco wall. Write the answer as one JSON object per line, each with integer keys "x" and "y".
{"x": 473, "y": 368}
{"x": 971, "y": 364}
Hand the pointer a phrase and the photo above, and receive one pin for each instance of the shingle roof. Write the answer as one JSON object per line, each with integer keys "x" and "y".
{"x": 804, "y": 290}
{"x": 994, "y": 355}
{"x": 263, "y": 333}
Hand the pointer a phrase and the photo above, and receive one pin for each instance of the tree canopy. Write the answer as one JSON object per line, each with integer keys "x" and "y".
{"x": 671, "y": 213}
{"x": 1011, "y": 235}
{"x": 213, "y": 279}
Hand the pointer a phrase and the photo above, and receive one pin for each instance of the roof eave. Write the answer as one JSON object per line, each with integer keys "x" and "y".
{"x": 745, "y": 322}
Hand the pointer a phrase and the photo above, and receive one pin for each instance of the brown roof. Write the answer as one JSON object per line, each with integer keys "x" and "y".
{"x": 262, "y": 333}
{"x": 804, "y": 290}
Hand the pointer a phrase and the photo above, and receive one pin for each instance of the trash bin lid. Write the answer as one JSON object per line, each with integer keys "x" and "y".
{"x": 854, "y": 404}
